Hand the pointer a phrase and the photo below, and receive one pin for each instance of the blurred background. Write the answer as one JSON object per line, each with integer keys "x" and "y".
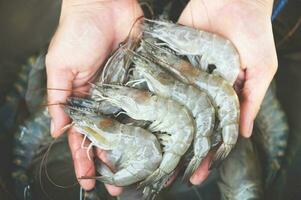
{"x": 26, "y": 28}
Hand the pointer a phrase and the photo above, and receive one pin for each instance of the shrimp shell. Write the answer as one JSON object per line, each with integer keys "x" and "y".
{"x": 162, "y": 83}
{"x": 117, "y": 66}
{"x": 240, "y": 173}
{"x": 221, "y": 93}
{"x": 134, "y": 152}
{"x": 172, "y": 120}
{"x": 272, "y": 134}
{"x": 202, "y": 48}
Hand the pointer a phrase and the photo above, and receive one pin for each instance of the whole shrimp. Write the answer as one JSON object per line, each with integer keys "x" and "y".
{"x": 240, "y": 173}
{"x": 271, "y": 134}
{"x": 115, "y": 71}
{"x": 171, "y": 119}
{"x": 134, "y": 152}
{"x": 221, "y": 93}
{"x": 203, "y": 49}
{"x": 162, "y": 83}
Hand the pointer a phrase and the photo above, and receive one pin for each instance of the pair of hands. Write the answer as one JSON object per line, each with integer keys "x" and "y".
{"x": 90, "y": 29}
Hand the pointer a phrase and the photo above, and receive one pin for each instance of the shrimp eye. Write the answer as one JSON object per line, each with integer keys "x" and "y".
{"x": 211, "y": 68}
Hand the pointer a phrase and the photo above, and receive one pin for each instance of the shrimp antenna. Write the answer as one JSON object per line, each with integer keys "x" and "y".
{"x": 132, "y": 28}
{"x": 53, "y": 104}
{"x": 149, "y": 8}
{"x": 45, "y": 161}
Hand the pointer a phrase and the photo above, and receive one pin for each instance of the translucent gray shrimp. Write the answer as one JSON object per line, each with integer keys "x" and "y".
{"x": 240, "y": 173}
{"x": 162, "y": 83}
{"x": 221, "y": 93}
{"x": 115, "y": 71}
{"x": 30, "y": 139}
{"x": 202, "y": 48}
{"x": 172, "y": 120}
{"x": 271, "y": 134}
{"x": 102, "y": 108}
{"x": 117, "y": 66}
{"x": 134, "y": 152}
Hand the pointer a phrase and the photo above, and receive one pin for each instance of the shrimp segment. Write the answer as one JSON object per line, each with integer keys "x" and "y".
{"x": 272, "y": 133}
{"x": 162, "y": 83}
{"x": 240, "y": 174}
{"x": 134, "y": 152}
{"x": 172, "y": 120}
{"x": 221, "y": 93}
{"x": 202, "y": 48}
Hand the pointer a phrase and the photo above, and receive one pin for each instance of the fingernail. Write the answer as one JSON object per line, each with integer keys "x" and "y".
{"x": 251, "y": 128}
{"x": 52, "y": 127}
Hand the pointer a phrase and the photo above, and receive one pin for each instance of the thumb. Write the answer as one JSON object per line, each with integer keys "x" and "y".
{"x": 59, "y": 86}
{"x": 253, "y": 92}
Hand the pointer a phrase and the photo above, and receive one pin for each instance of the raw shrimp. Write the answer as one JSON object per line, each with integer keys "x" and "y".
{"x": 161, "y": 82}
{"x": 115, "y": 71}
{"x": 271, "y": 134}
{"x": 116, "y": 68}
{"x": 203, "y": 49}
{"x": 134, "y": 152}
{"x": 240, "y": 173}
{"x": 221, "y": 93}
{"x": 172, "y": 120}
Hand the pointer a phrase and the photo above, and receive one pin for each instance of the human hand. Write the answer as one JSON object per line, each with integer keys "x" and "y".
{"x": 88, "y": 31}
{"x": 248, "y": 25}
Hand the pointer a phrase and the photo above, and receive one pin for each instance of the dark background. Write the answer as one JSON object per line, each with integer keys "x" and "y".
{"x": 26, "y": 27}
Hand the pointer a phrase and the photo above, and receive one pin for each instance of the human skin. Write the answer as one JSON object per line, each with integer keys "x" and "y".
{"x": 248, "y": 25}
{"x": 89, "y": 30}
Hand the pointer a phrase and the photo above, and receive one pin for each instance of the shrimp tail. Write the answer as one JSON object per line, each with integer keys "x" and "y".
{"x": 150, "y": 193}
{"x": 154, "y": 177}
{"x": 221, "y": 153}
{"x": 106, "y": 175}
{"x": 192, "y": 167}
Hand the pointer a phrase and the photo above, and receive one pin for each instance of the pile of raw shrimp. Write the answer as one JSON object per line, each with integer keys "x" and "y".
{"x": 159, "y": 99}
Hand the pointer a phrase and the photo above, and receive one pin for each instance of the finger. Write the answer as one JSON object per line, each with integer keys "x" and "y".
{"x": 202, "y": 171}
{"x": 195, "y": 17}
{"x": 255, "y": 87}
{"x": 113, "y": 190}
{"x": 82, "y": 164}
{"x": 82, "y": 91}
{"x": 59, "y": 86}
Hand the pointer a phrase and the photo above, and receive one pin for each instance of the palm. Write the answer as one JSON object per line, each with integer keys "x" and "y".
{"x": 247, "y": 24}
{"x": 87, "y": 33}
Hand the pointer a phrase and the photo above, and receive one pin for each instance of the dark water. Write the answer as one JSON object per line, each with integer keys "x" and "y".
{"x": 26, "y": 27}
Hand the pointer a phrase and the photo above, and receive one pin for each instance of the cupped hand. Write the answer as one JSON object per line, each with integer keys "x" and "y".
{"x": 87, "y": 33}
{"x": 248, "y": 25}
